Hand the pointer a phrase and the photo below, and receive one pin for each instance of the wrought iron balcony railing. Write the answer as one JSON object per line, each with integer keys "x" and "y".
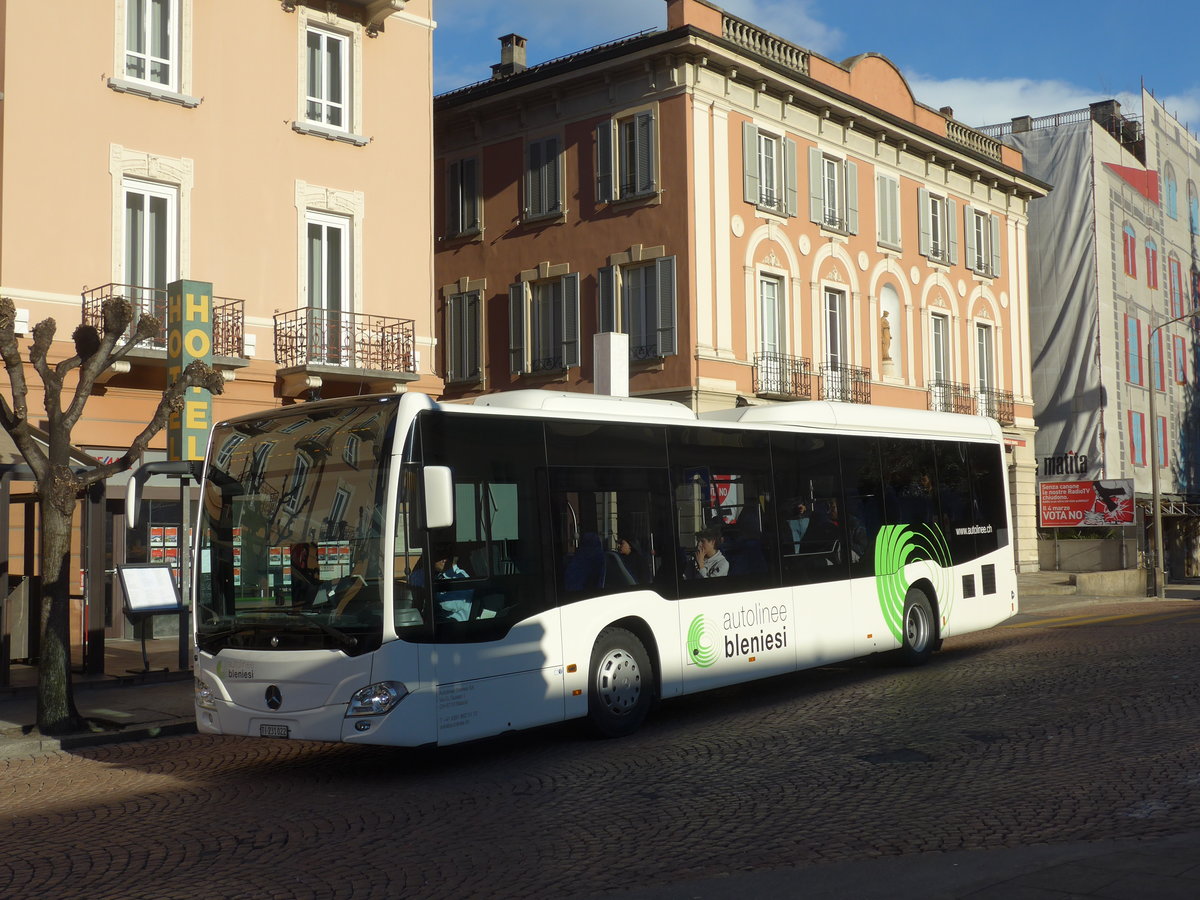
{"x": 229, "y": 327}
{"x": 950, "y": 396}
{"x": 318, "y": 337}
{"x": 229, "y": 316}
{"x": 996, "y": 404}
{"x": 781, "y": 376}
{"x": 850, "y": 384}
{"x": 143, "y": 300}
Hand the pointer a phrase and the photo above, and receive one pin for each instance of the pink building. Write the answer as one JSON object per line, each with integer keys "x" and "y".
{"x": 280, "y": 151}
{"x": 760, "y": 223}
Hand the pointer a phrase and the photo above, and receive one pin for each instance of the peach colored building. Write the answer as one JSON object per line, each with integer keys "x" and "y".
{"x": 280, "y": 151}
{"x": 764, "y": 225}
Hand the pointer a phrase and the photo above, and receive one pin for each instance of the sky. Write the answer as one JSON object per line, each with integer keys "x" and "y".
{"x": 988, "y": 61}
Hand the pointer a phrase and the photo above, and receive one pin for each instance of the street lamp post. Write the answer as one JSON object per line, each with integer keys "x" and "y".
{"x": 1160, "y": 583}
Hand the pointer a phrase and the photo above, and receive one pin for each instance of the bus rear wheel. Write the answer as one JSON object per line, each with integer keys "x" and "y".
{"x": 621, "y": 684}
{"x": 920, "y": 630}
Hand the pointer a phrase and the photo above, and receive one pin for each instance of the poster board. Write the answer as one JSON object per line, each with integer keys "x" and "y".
{"x": 149, "y": 589}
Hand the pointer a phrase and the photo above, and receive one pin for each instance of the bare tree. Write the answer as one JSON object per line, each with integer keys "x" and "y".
{"x": 59, "y": 487}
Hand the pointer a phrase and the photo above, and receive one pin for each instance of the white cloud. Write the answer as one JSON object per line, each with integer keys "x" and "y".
{"x": 983, "y": 101}
{"x": 791, "y": 20}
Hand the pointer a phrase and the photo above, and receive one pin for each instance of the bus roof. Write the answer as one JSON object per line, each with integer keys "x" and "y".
{"x": 575, "y": 402}
{"x": 858, "y": 417}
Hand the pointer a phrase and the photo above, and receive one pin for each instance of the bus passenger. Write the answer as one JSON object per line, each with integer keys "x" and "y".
{"x": 306, "y": 576}
{"x": 634, "y": 560}
{"x": 710, "y": 562}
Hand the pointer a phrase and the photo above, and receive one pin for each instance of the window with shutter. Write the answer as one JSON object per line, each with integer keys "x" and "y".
{"x": 938, "y": 238}
{"x": 462, "y": 199}
{"x": 832, "y": 192}
{"x": 463, "y": 337}
{"x": 639, "y": 300}
{"x": 543, "y": 179}
{"x": 768, "y": 170}
{"x": 626, "y": 158}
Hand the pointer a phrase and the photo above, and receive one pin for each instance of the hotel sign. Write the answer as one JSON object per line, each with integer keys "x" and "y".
{"x": 189, "y": 337}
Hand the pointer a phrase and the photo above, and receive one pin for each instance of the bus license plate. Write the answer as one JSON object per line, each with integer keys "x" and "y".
{"x": 279, "y": 731}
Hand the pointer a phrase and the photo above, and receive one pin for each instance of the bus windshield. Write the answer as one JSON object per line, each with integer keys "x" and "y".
{"x": 291, "y": 530}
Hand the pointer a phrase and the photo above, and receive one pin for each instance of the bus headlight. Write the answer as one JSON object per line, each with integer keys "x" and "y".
{"x": 205, "y": 698}
{"x": 376, "y": 699}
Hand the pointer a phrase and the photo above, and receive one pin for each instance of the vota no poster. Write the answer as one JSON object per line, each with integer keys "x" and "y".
{"x": 1083, "y": 503}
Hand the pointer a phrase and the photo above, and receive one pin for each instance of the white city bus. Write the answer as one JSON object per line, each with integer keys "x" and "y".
{"x": 388, "y": 570}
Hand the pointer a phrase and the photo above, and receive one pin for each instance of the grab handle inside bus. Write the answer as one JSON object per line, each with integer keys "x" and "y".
{"x": 439, "y": 497}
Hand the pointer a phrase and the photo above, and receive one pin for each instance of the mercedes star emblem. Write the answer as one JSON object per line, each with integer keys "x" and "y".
{"x": 274, "y": 697}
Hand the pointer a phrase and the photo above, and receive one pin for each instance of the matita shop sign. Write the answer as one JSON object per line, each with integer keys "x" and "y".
{"x": 1076, "y": 503}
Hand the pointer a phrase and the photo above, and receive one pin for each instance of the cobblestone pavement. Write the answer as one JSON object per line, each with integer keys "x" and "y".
{"x": 1080, "y": 725}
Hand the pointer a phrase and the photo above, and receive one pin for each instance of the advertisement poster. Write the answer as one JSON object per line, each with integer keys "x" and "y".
{"x": 1086, "y": 503}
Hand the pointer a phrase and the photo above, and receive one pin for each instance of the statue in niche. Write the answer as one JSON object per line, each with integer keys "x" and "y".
{"x": 885, "y": 337}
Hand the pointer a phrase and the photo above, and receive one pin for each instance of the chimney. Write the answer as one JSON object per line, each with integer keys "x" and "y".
{"x": 512, "y": 57}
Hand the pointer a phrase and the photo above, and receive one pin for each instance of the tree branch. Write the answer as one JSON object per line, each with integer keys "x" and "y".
{"x": 197, "y": 374}
{"x": 43, "y": 337}
{"x": 15, "y": 418}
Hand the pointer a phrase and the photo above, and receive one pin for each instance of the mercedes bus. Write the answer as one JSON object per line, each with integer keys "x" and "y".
{"x": 391, "y": 570}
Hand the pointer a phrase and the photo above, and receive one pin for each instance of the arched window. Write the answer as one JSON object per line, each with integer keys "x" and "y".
{"x": 1171, "y": 192}
{"x": 1129, "y": 251}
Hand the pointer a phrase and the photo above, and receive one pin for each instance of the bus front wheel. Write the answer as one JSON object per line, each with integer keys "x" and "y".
{"x": 920, "y": 631}
{"x": 621, "y": 687}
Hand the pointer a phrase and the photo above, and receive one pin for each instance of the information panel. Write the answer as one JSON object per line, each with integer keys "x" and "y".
{"x": 149, "y": 589}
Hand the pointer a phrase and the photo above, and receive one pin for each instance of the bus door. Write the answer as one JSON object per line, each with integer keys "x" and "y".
{"x": 814, "y": 545}
{"x": 496, "y": 635}
{"x": 737, "y": 621}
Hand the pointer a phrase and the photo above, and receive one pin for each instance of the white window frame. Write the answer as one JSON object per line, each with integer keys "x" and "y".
{"x": 177, "y": 88}
{"x": 938, "y": 231}
{"x": 940, "y": 363}
{"x": 770, "y": 171}
{"x": 772, "y": 313}
{"x": 143, "y": 12}
{"x": 320, "y": 106}
{"x": 833, "y": 315}
{"x": 983, "y": 241}
{"x": 833, "y": 192}
{"x": 328, "y": 222}
{"x": 152, "y": 300}
{"x": 333, "y": 27}
{"x": 627, "y": 163}
{"x": 985, "y": 359}
{"x": 637, "y": 297}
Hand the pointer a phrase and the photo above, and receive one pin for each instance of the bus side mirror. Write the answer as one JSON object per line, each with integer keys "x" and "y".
{"x": 139, "y": 476}
{"x": 439, "y": 497}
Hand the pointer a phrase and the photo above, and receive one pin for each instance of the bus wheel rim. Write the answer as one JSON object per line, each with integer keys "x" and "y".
{"x": 619, "y": 682}
{"x": 917, "y": 627}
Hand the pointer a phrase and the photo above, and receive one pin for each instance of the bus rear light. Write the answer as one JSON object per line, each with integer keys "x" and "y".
{"x": 376, "y": 699}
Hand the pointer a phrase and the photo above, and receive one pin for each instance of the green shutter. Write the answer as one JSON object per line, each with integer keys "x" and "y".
{"x": 790, "y": 190}
{"x": 516, "y": 328}
{"x": 923, "y": 210}
{"x": 750, "y": 163}
{"x": 951, "y": 232}
{"x": 969, "y": 234}
{"x": 851, "y": 172}
{"x": 606, "y": 290}
{"x": 665, "y": 288}
{"x": 816, "y": 187}
{"x": 604, "y": 162}
{"x": 995, "y": 222}
{"x": 570, "y": 320}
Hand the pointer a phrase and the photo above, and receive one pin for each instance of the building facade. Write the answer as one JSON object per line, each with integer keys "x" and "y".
{"x": 1115, "y": 277}
{"x": 280, "y": 151}
{"x": 762, "y": 224}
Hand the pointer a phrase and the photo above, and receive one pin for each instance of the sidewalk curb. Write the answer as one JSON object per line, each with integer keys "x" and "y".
{"x": 12, "y": 747}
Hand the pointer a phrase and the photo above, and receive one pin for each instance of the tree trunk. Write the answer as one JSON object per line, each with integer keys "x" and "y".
{"x": 56, "y": 713}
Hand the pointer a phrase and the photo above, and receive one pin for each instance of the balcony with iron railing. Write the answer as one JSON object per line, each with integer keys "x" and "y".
{"x": 313, "y": 346}
{"x": 951, "y": 396}
{"x": 228, "y": 322}
{"x": 995, "y": 404}
{"x": 781, "y": 377}
{"x": 849, "y": 384}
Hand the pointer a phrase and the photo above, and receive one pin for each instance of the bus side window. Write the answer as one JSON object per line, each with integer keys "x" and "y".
{"x": 863, "y": 515}
{"x": 809, "y": 532}
{"x": 724, "y": 510}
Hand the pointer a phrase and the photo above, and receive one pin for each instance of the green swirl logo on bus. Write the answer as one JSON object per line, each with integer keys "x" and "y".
{"x": 700, "y": 647}
{"x": 896, "y": 548}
